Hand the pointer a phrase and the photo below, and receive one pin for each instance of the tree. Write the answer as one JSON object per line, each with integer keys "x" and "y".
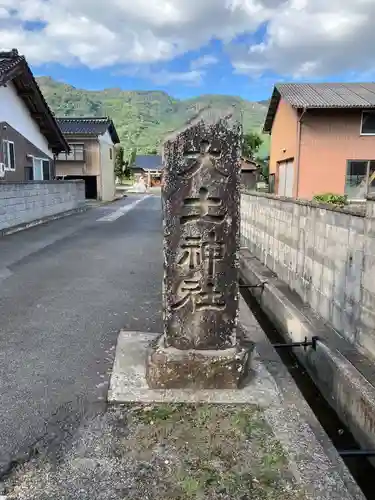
{"x": 265, "y": 167}
{"x": 127, "y": 170}
{"x": 133, "y": 156}
{"x": 250, "y": 144}
{"x": 119, "y": 162}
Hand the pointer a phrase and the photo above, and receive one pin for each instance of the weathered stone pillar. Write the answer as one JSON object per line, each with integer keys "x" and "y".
{"x": 201, "y": 199}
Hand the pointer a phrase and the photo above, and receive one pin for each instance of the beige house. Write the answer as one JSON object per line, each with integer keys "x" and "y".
{"x": 322, "y": 139}
{"x": 91, "y": 156}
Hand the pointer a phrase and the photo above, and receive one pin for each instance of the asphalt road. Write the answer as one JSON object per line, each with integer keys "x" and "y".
{"x": 66, "y": 289}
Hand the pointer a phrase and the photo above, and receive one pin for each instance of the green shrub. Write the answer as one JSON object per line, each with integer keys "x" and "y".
{"x": 332, "y": 199}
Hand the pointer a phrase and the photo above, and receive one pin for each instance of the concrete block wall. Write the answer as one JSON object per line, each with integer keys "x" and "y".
{"x": 323, "y": 253}
{"x": 25, "y": 202}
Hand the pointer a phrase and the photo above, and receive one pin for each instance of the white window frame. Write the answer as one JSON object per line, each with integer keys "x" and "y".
{"x": 42, "y": 160}
{"x": 367, "y": 177}
{"x": 7, "y": 163}
{"x": 360, "y": 130}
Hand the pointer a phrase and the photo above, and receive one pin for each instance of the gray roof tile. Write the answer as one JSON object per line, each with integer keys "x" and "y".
{"x": 93, "y": 126}
{"x": 14, "y": 68}
{"x": 330, "y": 95}
{"x": 149, "y": 162}
{"x": 8, "y": 63}
{"x": 321, "y": 95}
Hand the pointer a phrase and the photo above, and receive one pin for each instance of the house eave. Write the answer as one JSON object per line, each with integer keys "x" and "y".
{"x": 113, "y": 132}
{"x": 272, "y": 109}
{"x": 28, "y": 91}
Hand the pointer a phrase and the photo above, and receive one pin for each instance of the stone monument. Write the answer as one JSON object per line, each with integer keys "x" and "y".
{"x": 201, "y": 204}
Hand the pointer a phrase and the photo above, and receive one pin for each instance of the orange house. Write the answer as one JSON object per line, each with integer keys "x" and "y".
{"x": 322, "y": 139}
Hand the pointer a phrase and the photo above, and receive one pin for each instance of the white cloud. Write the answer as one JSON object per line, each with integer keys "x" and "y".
{"x": 120, "y": 31}
{"x": 204, "y": 61}
{"x": 313, "y": 38}
{"x": 4, "y": 13}
{"x": 164, "y": 77}
{"x": 192, "y": 77}
{"x": 304, "y": 38}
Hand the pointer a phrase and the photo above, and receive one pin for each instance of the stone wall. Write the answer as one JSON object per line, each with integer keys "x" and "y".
{"x": 25, "y": 202}
{"x": 325, "y": 254}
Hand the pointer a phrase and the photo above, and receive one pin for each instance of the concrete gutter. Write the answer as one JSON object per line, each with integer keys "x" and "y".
{"x": 345, "y": 377}
{"x": 27, "y": 225}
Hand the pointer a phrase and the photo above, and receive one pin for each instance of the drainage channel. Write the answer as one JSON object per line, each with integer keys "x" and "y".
{"x": 359, "y": 466}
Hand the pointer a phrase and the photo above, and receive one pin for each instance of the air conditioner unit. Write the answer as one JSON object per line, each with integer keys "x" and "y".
{"x": 2, "y": 170}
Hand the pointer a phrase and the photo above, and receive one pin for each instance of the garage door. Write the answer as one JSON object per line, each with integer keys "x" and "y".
{"x": 286, "y": 178}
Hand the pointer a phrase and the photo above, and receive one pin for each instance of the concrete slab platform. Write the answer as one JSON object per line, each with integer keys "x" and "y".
{"x": 128, "y": 381}
{"x": 311, "y": 454}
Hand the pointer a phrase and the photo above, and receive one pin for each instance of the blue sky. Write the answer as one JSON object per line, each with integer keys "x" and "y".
{"x": 219, "y": 78}
{"x": 192, "y": 47}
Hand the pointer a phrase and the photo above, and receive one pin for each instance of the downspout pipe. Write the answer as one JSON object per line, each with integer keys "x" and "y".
{"x": 299, "y": 123}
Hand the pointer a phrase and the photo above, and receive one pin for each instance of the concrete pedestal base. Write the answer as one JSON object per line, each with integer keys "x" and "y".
{"x": 129, "y": 383}
{"x": 310, "y": 453}
{"x": 170, "y": 368}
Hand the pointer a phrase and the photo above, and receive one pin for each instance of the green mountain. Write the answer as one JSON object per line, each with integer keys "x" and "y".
{"x": 143, "y": 119}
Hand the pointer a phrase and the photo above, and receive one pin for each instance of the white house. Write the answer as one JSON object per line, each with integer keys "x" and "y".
{"x": 29, "y": 134}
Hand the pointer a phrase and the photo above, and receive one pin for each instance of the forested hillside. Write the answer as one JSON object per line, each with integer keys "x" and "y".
{"x": 143, "y": 119}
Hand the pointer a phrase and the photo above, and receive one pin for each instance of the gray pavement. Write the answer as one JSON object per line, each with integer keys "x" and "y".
{"x": 66, "y": 289}
{"x": 110, "y": 458}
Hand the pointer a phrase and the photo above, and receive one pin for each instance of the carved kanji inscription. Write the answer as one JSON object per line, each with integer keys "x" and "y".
{"x": 200, "y": 297}
{"x": 207, "y": 157}
{"x": 200, "y": 257}
{"x": 201, "y": 235}
{"x": 195, "y": 251}
{"x": 209, "y": 208}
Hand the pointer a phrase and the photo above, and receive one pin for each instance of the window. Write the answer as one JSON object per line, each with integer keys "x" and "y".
{"x": 368, "y": 123}
{"x": 46, "y": 170}
{"x": 38, "y": 169}
{"x": 360, "y": 179}
{"x": 41, "y": 170}
{"x": 9, "y": 156}
{"x": 77, "y": 153}
{"x": 110, "y": 154}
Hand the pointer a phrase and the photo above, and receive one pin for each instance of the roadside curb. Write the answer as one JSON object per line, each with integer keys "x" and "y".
{"x": 43, "y": 220}
{"x": 294, "y": 423}
{"x": 100, "y": 203}
{"x": 343, "y": 375}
